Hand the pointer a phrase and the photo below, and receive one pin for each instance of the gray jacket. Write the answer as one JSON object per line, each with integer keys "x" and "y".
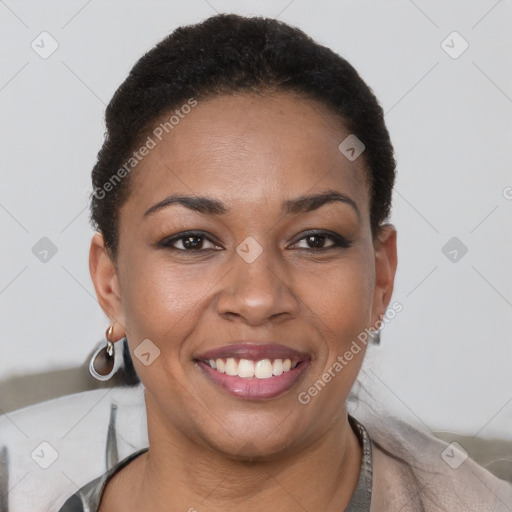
{"x": 51, "y": 450}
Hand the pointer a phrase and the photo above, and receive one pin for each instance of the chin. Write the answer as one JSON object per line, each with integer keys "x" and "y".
{"x": 255, "y": 438}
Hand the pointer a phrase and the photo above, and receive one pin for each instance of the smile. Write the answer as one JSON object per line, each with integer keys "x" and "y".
{"x": 254, "y": 371}
{"x": 245, "y": 368}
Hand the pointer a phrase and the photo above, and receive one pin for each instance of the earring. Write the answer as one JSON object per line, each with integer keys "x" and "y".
{"x": 102, "y": 363}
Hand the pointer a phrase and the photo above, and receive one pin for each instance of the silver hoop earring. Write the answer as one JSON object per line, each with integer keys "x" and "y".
{"x": 102, "y": 363}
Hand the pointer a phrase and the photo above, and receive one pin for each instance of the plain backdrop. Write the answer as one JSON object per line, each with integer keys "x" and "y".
{"x": 445, "y": 360}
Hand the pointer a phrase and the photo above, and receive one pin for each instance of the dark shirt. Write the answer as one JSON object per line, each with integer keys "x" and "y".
{"x": 87, "y": 499}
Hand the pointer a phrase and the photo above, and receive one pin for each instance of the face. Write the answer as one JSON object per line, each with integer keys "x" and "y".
{"x": 256, "y": 279}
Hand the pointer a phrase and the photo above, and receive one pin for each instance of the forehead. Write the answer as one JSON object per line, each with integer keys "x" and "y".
{"x": 248, "y": 149}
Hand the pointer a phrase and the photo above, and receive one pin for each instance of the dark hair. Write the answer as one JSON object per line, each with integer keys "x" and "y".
{"x": 223, "y": 55}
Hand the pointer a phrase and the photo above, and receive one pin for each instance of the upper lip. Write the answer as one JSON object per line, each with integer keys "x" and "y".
{"x": 254, "y": 351}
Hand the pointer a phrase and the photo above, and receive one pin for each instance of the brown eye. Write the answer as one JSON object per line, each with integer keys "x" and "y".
{"x": 192, "y": 242}
{"x": 317, "y": 240}
{"x": 188, "y": 242}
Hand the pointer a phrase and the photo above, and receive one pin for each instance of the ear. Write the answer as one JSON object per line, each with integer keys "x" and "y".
{"x": 104, "y": 276}
{"x": 385, "y": 269}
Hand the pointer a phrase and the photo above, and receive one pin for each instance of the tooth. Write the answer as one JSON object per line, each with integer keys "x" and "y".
{"x": 212, "y": 364}
{"x": 263, "y": 369}
{"x": 221, "y": 365}
{"x": 287, "y": 364}
{"x": 231, "y": 366}
{"x": 246, "y": 368}
{"x": 277, "y": 367}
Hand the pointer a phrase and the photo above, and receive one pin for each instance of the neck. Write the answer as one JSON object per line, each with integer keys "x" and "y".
{"x": 185, "y": 476}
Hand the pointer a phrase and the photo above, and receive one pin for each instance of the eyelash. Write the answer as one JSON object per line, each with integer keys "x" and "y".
{"x": 338, "y": 241}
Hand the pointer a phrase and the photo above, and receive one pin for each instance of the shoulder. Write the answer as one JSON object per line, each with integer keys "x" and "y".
{"x": 413, "y": 470}
{"x": 51, "y": 449}
{"x": 88, "y": 497}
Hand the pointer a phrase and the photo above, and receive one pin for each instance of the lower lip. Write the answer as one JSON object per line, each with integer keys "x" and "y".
{"x": 253, "y": 388}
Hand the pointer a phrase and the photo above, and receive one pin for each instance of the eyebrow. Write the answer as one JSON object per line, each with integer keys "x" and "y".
{"x": 210, "y": 206}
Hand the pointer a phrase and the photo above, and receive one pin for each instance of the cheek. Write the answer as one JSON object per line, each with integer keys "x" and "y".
{"x": 341, "y": 296}
{"x": 162, "y": 304}
{"x": 162, "y": 301}
{"x": 340, "y": 304}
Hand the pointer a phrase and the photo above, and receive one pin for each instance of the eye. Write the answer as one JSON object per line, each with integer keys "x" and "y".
{"x": 190, "y": 241}
{"x": 316, "y": 241}
{"x": 197, "y": 241}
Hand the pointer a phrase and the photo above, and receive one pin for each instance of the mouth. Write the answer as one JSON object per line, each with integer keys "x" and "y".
{"x": 253, "y": 371}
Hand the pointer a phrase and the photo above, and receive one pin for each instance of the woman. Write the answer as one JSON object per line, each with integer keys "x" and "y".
{"x": 241, "y": 199}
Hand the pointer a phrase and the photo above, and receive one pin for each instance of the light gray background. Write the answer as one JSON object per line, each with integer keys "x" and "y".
{"x": 446, "y": 360}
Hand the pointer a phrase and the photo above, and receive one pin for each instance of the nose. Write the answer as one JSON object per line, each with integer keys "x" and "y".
{"x": 257, "y": 292}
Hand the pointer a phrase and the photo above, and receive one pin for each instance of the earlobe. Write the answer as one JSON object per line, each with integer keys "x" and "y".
{"x": 385, "y": 269}
{"x": 104, "y": 276}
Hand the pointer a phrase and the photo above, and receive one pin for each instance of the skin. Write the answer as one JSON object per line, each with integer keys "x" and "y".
{"x": 210, "y": 450}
